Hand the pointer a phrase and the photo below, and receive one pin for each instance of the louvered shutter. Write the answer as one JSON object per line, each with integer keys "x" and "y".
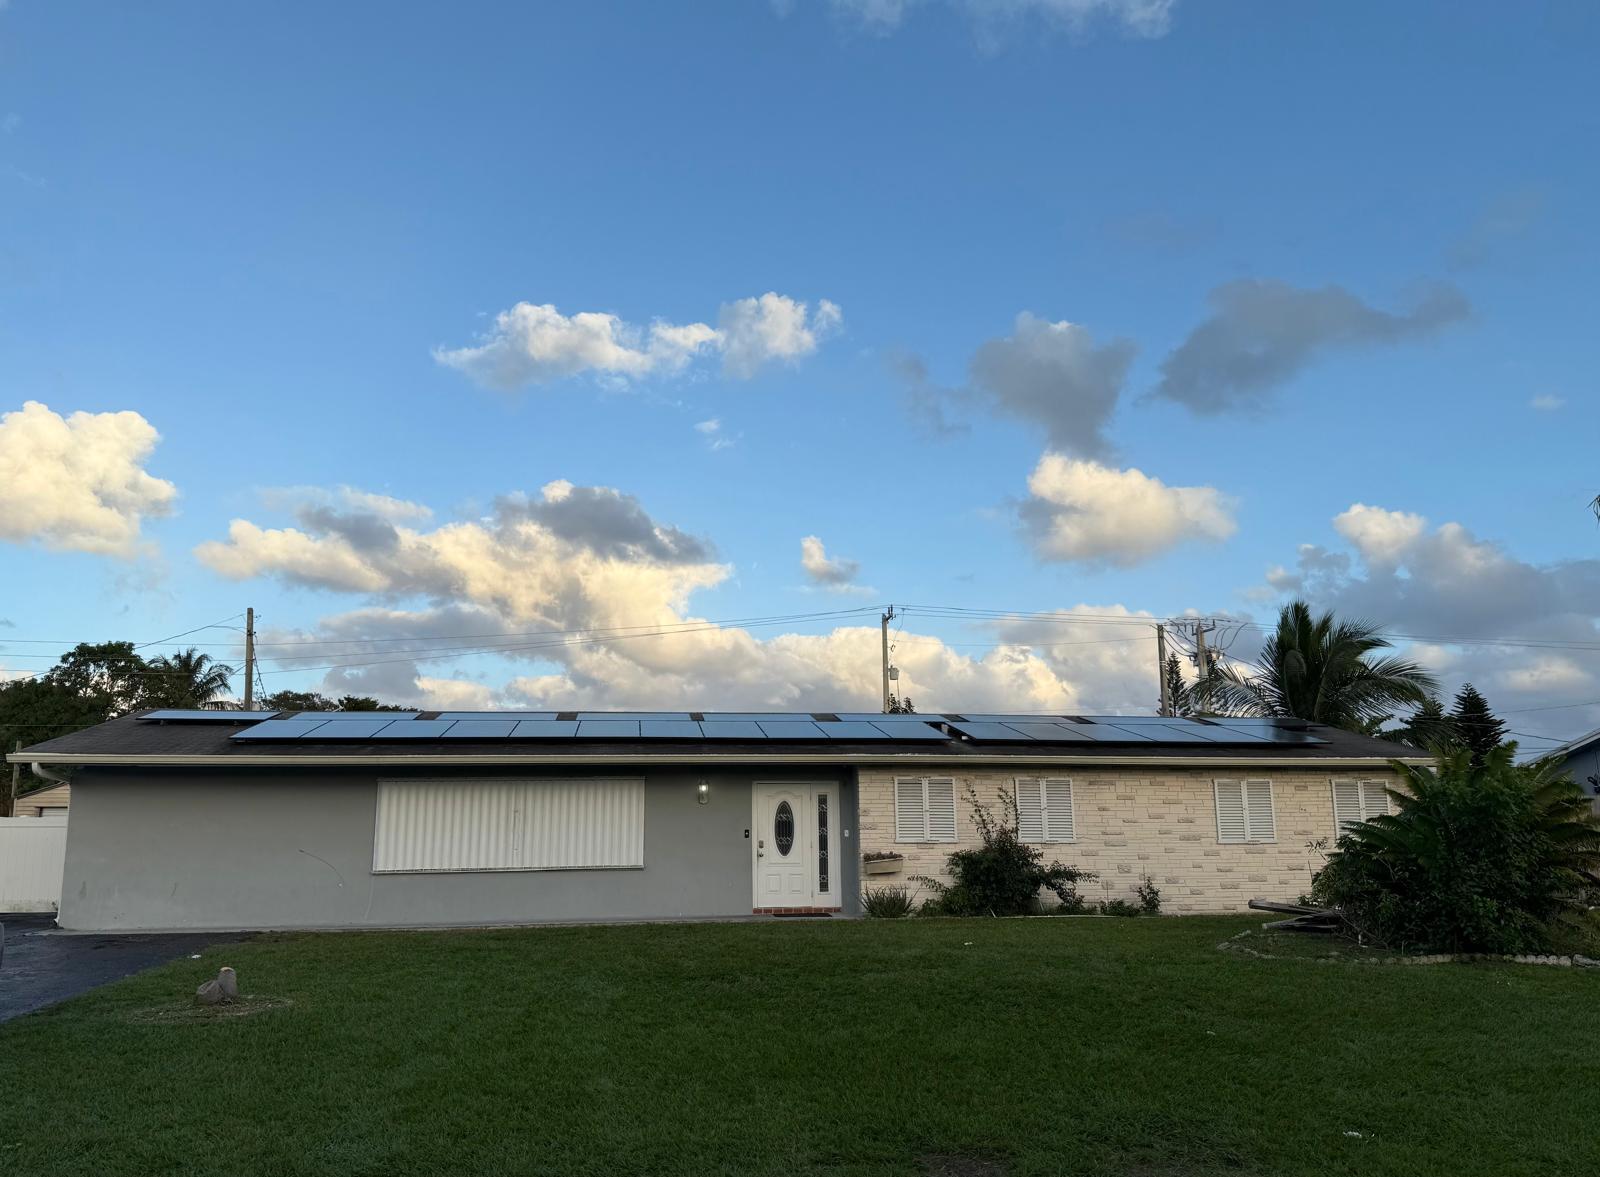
{"x": 1058, "y": 818}
{"x": 1258, "y": 811}
{"x": 941, "y": 803}
{"x": 1230, "y": 810}
{"x": 1030, "y": 810}
{"x": 1374, "y": 799}
{"x": 1346, "y": 805}
{"x": 910, "y": 815}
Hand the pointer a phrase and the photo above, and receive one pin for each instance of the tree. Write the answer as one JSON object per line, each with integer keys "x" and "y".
{"x": 312, "y": 701}
{"x": 1318, "y": 669}
{"x": 186, "y": 679}
{"x": 33, "y": 710}
{"x": 1479, "y": 857}
{"x": 1476, "y": 727}
{"x": 899, "y": 706}
{"x": 111, "y": 674}
{"x": 1428, "y": 727}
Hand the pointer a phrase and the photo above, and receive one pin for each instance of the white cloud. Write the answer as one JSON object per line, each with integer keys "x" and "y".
{"x": 1382, "y": 537}
{"x": 1547, "y": 403}
{"x": 1083, "y": 511}
{"x": 540, "y": 569}
{"x": 536, "y": 343}
{"x": 1136, "y": 18}
{"x": 712, "y": 431}
{"x": 78, "y": 483}
{"x": 823, "y": 570}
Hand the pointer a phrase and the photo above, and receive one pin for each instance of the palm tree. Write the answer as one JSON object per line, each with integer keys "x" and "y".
{"x": 1316, "y": 668}
{"x": 187, "y": 678}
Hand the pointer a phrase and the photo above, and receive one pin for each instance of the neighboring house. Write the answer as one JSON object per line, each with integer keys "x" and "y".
{"x": 45, "y": 801}
{"x": 214, "y": 820}
{"x": 1582, "y": 759}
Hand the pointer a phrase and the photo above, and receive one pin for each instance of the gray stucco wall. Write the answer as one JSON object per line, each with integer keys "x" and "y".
{"x": 242, "y": 848}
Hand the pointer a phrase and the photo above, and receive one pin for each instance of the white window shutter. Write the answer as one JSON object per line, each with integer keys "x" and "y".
{"x": 1230, "y": 810}
{"x": 1374, "y": 799}
{"x": 1346, "y": 805}
{"x": 941, "y": 810}
{"x": 1262, "y": 822}
{"x": 1059, "y": 824}
{"x": 910, "y": 815}
{"x": 1030, "y": 810}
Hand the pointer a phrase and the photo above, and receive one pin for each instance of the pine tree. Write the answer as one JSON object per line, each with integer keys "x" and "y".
{"x": 1428, "y": 727}
{"x": 1477, "y": 727}
{"x": 1177, "y": 689}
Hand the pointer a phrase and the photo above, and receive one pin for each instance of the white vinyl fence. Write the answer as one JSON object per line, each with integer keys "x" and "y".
{"x": 32, "y": 853}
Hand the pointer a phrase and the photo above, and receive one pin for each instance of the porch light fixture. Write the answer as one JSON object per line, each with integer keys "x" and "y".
{"x": 703, "y": 793}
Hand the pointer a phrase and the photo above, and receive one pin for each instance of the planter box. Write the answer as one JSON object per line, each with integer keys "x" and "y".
{"x": 882, "y": 866}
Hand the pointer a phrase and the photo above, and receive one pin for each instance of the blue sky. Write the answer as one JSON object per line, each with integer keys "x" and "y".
{"x": 265, "y": 230}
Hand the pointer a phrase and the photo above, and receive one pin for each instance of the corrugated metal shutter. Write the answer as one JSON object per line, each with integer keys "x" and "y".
{"x": 1230, "y": 810}
{"x": 910, "y": 815}
{"x": 1059, "y": 822}
{"x": 941, "y": 810}
{"x": 1261, "y": 821}
{"x": 1030, "y": 809}
{"x": 508, "y": 825}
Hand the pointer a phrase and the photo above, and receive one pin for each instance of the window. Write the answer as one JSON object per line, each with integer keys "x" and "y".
{"x": 822, "y": 844}
{"x": 925, "y": 809}
{"x": 1357, "y": 801}
{"x": 1044, "y": 810}
{"x": 485, "y": 825}
{"x": 1244, "y": 811}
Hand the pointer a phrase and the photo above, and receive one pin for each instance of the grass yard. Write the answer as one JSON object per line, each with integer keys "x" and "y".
{"x": 1051, "y": 1046}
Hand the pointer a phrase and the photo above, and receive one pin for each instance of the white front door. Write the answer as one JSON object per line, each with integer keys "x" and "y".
{"x": 795, "y": 843}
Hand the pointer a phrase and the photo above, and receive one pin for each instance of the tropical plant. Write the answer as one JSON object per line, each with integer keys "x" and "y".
{"x": 886, "y": 903}
{"x": 186, "y": 678}
{"x": 1318, "y": 669}
{"x": 1149, "y": 896}
{"x": 110, "y": 676}
{"x": 1487, "y": 857}
{"x": 1474, "y": 726}
{"x": 1004, "y": 875}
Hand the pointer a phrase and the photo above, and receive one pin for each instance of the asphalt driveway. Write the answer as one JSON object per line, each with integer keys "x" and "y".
{"x": 43, "y": 966}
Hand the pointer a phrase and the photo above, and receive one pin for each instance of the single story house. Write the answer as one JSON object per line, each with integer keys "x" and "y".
{"x": 1581, "y": 757}
{"x": 218, "y": 820}
{"x": 45, "y": 801}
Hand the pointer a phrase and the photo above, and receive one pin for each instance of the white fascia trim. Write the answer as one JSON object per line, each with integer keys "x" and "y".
{"x": 245, "y": 760}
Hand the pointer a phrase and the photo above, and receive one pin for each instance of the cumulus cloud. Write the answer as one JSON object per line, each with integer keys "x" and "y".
{"x": 1082, "y": 511}
{"x": 536, "y": 344}
{"x": 716, "y": 437}
{"x": 1439, "y": 583}
{"x": 592, "y": 607}
{"x": 78, "y": 483}
{"x": 1262, "y": 333}
{"x": 823, "y": 569}
{"x": 1135, "y": 18}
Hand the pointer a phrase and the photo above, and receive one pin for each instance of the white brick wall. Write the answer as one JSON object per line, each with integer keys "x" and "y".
{"x": 1131, "y": 823}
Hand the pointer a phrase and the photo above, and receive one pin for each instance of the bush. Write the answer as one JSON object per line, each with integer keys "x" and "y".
{"x": 1479, "y": 858}
{"x": 886, "y": 903}
{"x": 1003, "y": 876}
{"x": 1149, "y": 896}
{"x": 1120, "y": 907}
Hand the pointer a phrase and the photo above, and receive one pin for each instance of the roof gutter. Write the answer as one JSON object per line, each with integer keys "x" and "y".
{"x": 246, "y": 760}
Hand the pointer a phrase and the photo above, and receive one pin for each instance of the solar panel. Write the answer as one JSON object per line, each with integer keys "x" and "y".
{"x": 990, "y": 733}
{"x": 630, "y": 716}
{"x": 791, "y": 730}
{"x": 363, "y": 730}
{"x": 493, "y": 715}
{"x": 608, "y": 729}
{"x": 479, "y": 729}
{"x": 177, "y": 715}
{"x": 545, "y": 729}
{"x": 850, "y": 730}
{"x": 1129, "y": 720}
{"x": 356, "y": 716}
{"x": 731, "y": 729}
{"x": 910, "y": 732}
{"x": 1284, "y": 736}
{"x": 415, "y": 729}
{"x": 279, "y": 729}
{"x": 1054, "y": 733}
{"x": 758, "y": 716}
{"x": 669, "y": 729}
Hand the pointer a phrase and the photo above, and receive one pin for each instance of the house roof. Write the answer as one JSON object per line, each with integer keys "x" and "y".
{"x": 218, "y": 742}
{"x": 1571, "y": 746}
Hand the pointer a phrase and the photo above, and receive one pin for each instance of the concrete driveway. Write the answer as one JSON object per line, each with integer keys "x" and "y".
{"x": 43, "y": 966}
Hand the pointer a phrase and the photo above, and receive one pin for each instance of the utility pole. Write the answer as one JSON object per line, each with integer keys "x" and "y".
{"x": 16, "y": 784}
{"x": 887, "y": 617}
{"x": 1202, "y": 662}
{"x": 1161, "y": 670}
{"x": 249, "y": 659}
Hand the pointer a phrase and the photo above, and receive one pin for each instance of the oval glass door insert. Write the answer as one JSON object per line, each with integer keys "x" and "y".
{"x": 783, "y": 828}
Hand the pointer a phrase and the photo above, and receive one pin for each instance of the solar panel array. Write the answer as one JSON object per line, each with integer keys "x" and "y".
{"x": 1138, "y": 731}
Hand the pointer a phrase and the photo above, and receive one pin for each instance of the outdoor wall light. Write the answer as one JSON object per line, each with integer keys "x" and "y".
{"x": 703, "y": 793}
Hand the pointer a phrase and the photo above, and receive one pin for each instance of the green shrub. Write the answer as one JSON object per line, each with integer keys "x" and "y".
{"x": 1478, "y": 858}
{"x": 1120, "y": 907}
{"x": 1149, "y": 896}
{"x": 1004, "y": 875}
{"x": 886, "y": 903}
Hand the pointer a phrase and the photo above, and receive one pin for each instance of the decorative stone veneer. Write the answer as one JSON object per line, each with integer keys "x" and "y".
{"x": 1133, "y": 822}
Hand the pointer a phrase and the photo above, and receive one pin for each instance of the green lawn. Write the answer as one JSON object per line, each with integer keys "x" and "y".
{"x": 1039, "y": 1046}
